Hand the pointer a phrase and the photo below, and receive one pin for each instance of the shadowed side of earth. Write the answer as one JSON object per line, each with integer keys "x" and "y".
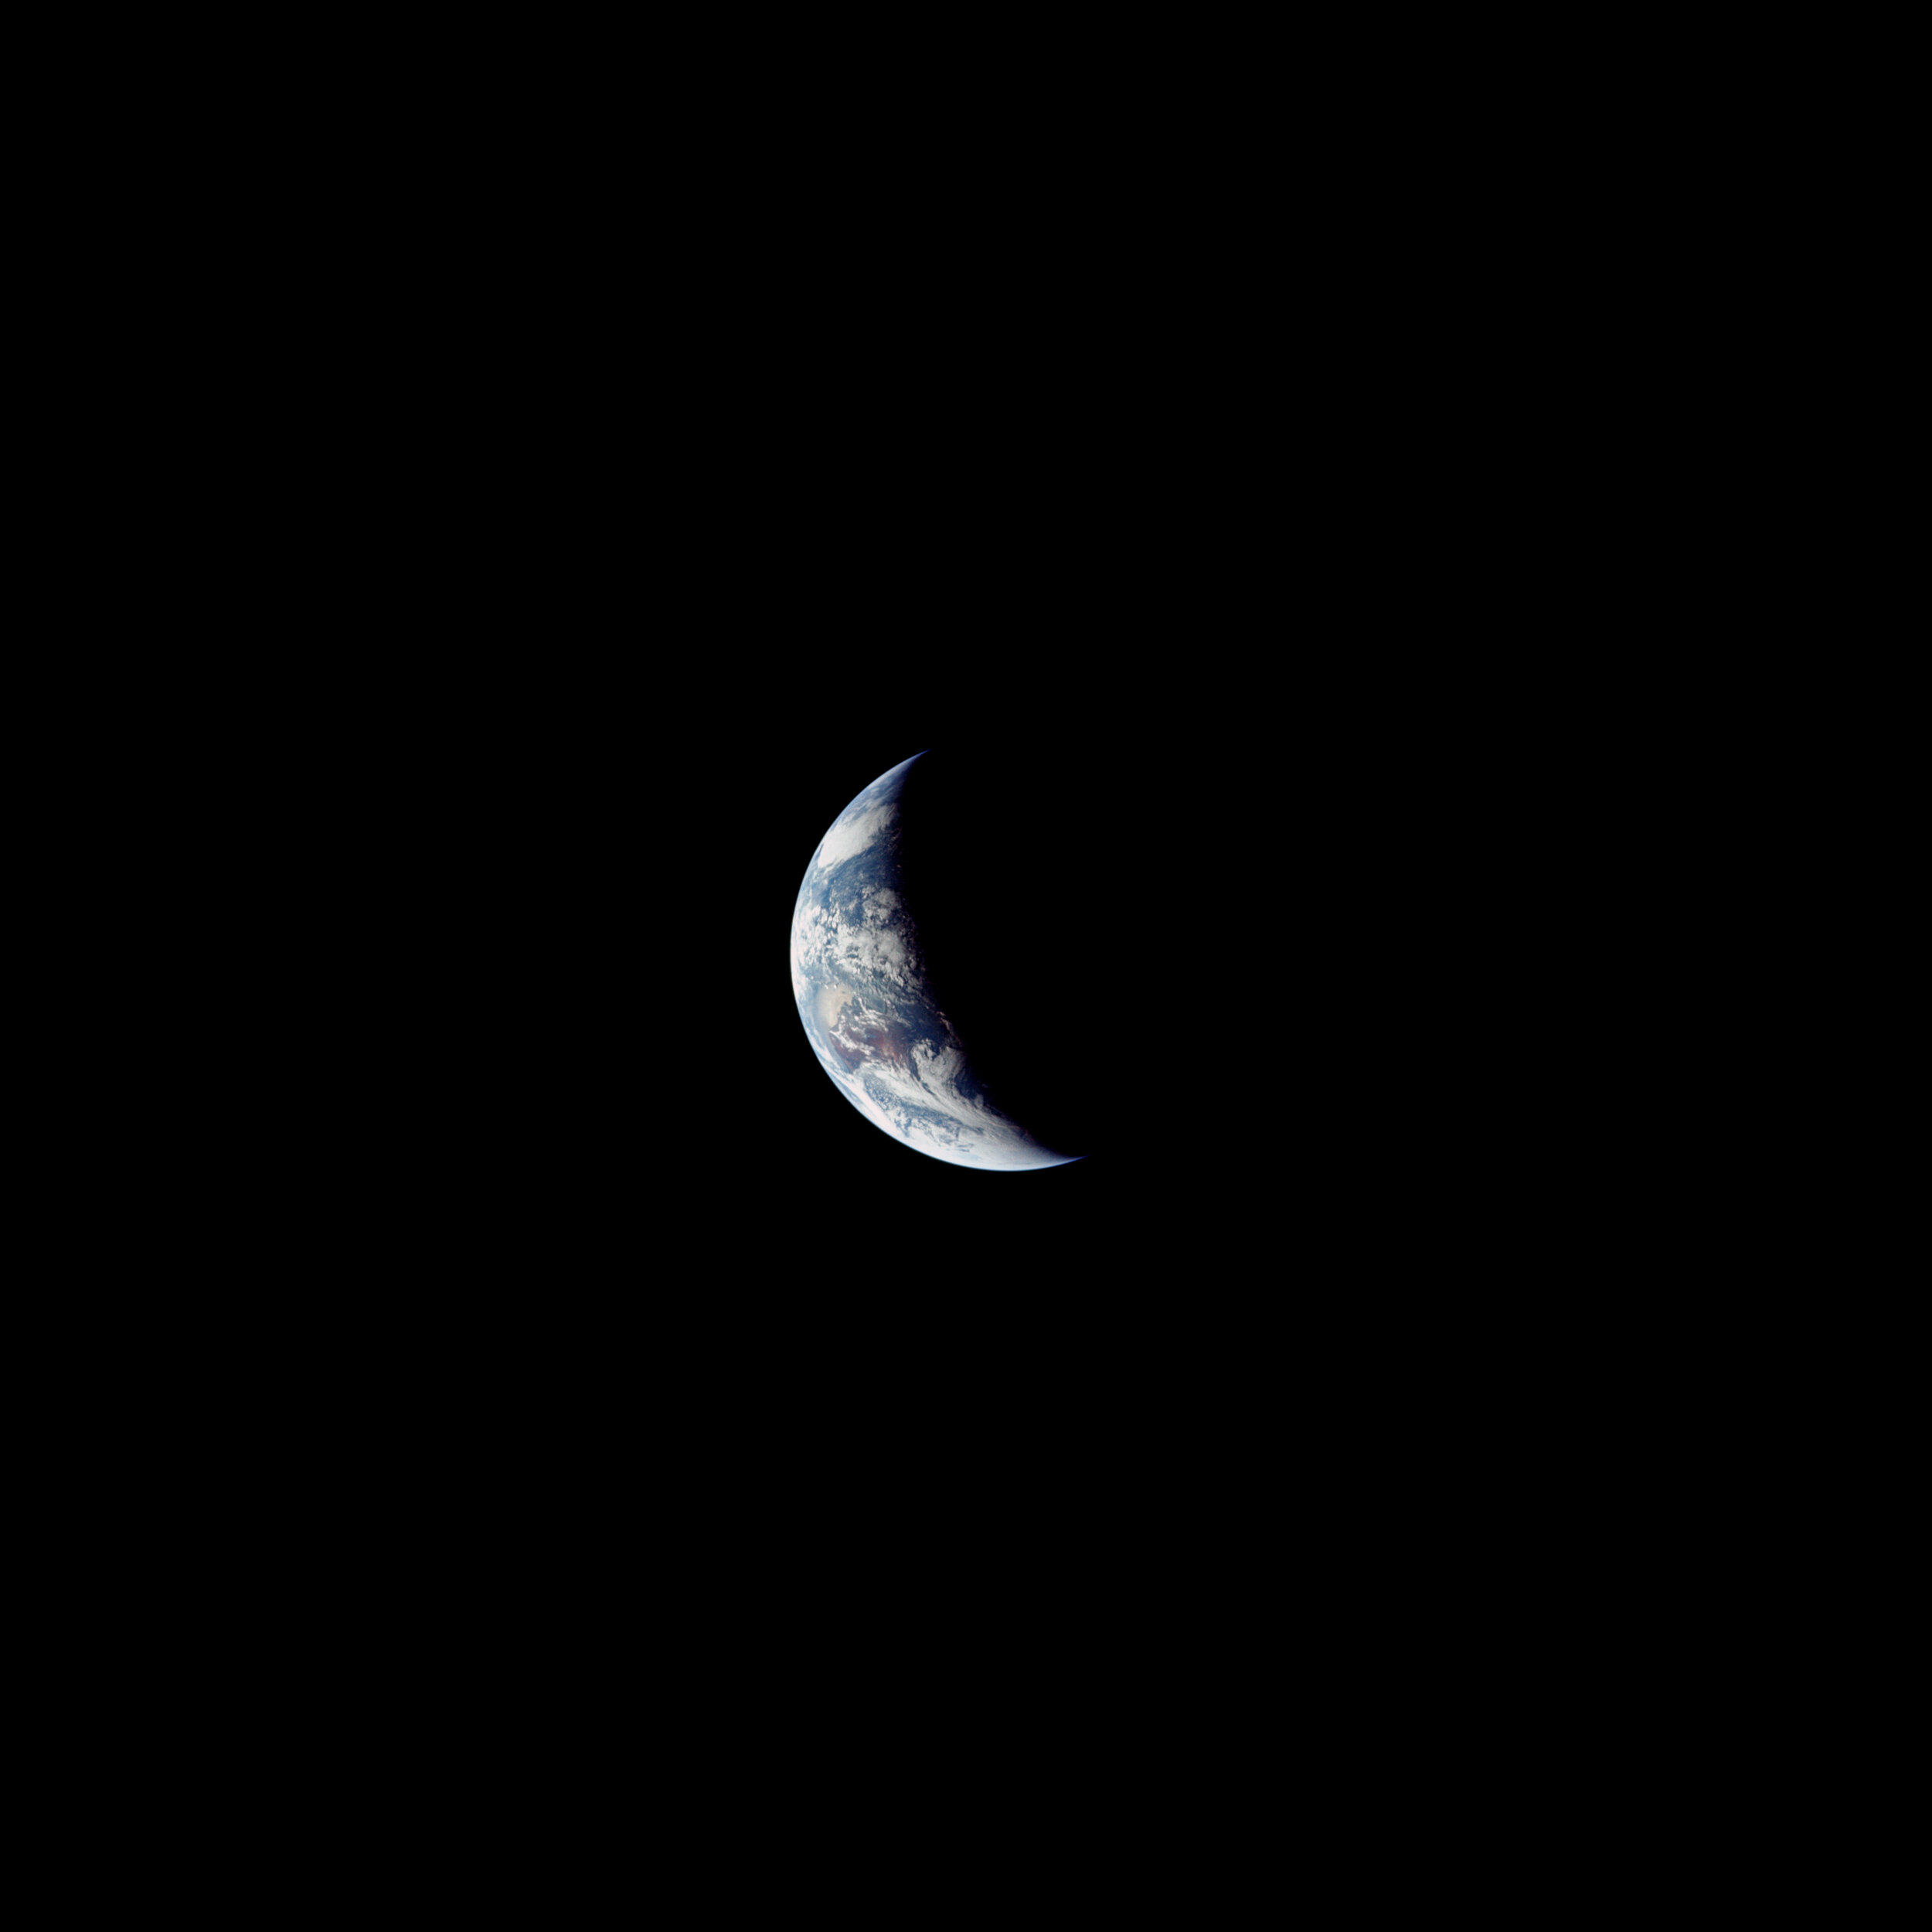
{"x": 1015, "y": 864}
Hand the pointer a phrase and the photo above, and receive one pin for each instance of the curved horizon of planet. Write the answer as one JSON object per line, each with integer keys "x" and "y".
{"x": 858, "y": 975}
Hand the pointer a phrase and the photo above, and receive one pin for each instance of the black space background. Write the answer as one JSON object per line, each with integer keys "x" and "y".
{"x": 578, "y": 1102}
{"x": 588, "y": 1207}
{"x": 637, "y": 543}
{"x": 618, "y": 571}
{"x": 609, "y": 1332}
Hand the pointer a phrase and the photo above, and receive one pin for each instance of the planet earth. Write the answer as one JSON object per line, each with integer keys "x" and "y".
{"x": 866, "y": 996}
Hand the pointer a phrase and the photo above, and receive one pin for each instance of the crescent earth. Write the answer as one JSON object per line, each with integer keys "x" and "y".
{"x": 860, "y": 981}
